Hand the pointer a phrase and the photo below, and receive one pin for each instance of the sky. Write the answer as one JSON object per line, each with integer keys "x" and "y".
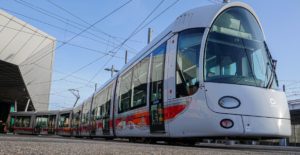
{"x": 280, "y": 21}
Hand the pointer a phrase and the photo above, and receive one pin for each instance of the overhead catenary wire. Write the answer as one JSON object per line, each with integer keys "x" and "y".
{"x": 137, "y": 31}
{"x": 61, "y": 19}
{"x": 131, "y": 35}
{"x": 60, "y": 28}
{"x": 70, "y": 44}
{"x": 51, "y": 25}
{"x": 82, "y": 67}
{"x": 49, "y": 46}
{"x": 84, "y": 21}
{"x": 139, "y": 28}
{"x": 81, "y": 32}
{"x": 59, "y": 72}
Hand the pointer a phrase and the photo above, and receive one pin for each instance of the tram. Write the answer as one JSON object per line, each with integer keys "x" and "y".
{"x": 210, "y": 74}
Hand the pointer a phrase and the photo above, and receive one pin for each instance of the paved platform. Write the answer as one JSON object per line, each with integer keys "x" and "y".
{"x": 24, "y": 144}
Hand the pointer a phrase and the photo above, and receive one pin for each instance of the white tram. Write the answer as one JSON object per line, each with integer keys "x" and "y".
{"x": 209, "y": 74}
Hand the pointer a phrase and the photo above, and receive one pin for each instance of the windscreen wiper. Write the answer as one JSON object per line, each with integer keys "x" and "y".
{"x": 271, "y": 66}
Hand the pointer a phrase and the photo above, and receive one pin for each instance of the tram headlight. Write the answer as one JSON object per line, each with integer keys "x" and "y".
{"x": 226, "y": 123}
{"x": 229, "y": 102}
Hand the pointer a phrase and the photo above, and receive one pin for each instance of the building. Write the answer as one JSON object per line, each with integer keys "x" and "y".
{"x": 26, "y": 60}
{"x": 294, "y": 106}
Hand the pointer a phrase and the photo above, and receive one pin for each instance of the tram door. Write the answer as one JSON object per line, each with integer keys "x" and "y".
{"x": 106, "y": 120}
{"x": 106, "y": 109}
{"x": 51, "y": 124}
{"x": 157, "y": 124}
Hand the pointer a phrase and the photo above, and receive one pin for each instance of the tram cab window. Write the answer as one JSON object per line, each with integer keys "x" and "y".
{"x": 187, "y": 63}
{"x": 236, "y": 52}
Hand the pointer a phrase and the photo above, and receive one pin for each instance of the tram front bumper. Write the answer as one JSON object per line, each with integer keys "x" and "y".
{"x": 266, "y": 126}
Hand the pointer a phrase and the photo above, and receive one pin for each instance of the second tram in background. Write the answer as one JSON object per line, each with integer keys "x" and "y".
{"x": 209, "y": 74}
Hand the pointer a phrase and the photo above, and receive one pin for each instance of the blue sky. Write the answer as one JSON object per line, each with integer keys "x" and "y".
{"x": 280, "y": 21}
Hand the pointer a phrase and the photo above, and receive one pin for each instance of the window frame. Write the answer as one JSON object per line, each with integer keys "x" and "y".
{"x": 264, "y": 41}
{"x": 200, "y": 30}
{"x": 120, "y": 109}
{"x": 132, "y": 69}
{"x": 164, "y": 46}
{"x": 147, "y": 81}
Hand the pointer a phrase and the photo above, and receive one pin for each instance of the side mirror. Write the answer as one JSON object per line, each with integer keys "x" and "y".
{"x": 274, "y": 63}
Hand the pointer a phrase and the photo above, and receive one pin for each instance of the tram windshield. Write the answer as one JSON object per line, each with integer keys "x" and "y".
{"x": 236, "y": 51}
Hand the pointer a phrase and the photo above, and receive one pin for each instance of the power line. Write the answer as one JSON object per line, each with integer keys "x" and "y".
{"x": 159, "y": 14}
{"x": 80, "y": 19}
{"x": 56, "y": 27}
{"x": 81, "y": 68}
{"x": 70, "y": 44}
{"x": 59, "y": 72}
{"x": 78, "y": 34}
{"x": 70, "y": 74}
{"x": 138, "y": 30}
{"x": 59, "y": 18}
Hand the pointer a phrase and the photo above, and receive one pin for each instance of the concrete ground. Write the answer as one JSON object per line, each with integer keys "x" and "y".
{"x": 36, "y": 145}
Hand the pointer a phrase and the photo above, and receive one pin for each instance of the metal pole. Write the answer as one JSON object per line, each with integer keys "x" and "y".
{"x": 126, "y": 54}
{"x": 112, "y": 70}
{"x": 95, "y": 87}
{"x": 16, "y": 105}
{"x": 149, "y": 35}
{"x": 28, "y": 101}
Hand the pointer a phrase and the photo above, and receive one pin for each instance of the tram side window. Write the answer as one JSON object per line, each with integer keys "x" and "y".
{"x": 140, "y": 76}
{"x": 98, "y": 113}
{"x": 75, "y": 119}
{"x": 101, "y": 111}
{"x": 41, "y": 121}
{"x": 101, "y": 99}
{"x": 93, "y": 114}
{"x": 187, "y": 63}
{"x": 125, "y": 92}
{"x": 22, "y": 121}
{"x": 64, "y": 120}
